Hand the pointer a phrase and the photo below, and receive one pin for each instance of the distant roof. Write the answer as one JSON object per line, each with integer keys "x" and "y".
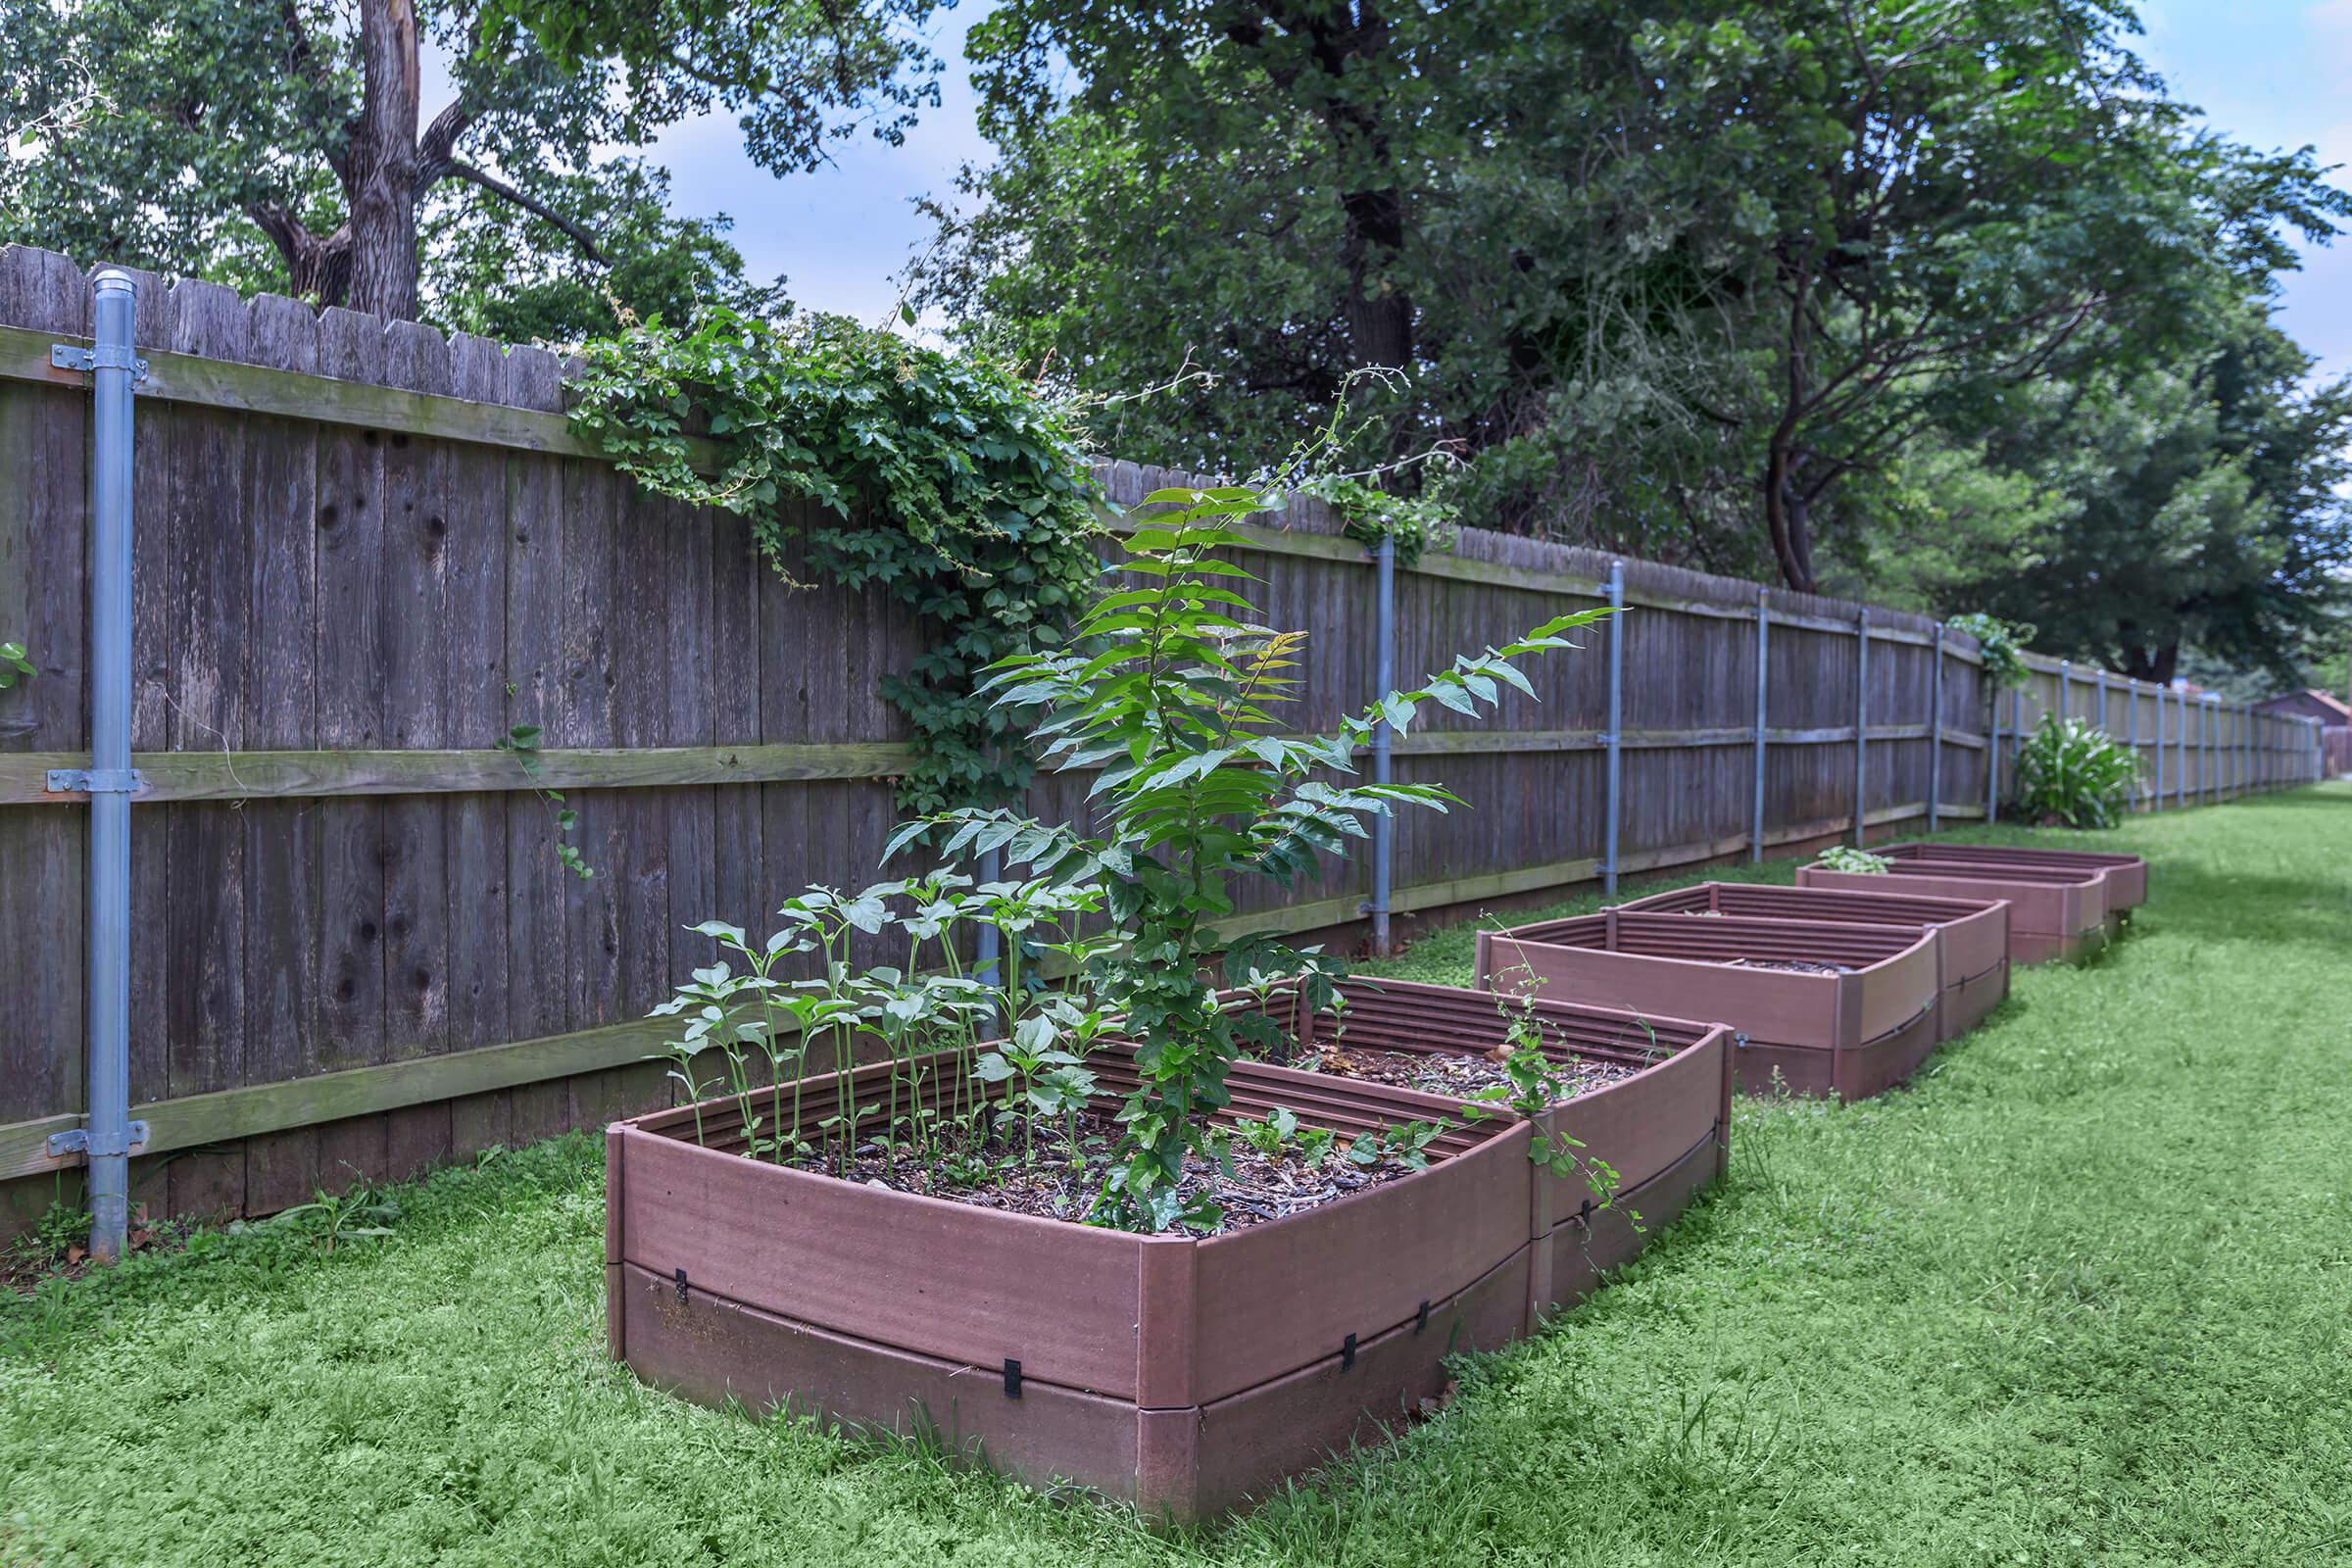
{"x": 2329, "y": 699}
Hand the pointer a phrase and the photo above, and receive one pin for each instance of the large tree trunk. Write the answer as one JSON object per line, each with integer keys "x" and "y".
{"x": 1788, "y": 517}
{"x": 382, "y": 182}
{"x": 2158, "y": 664}
{"x": 1380, "y": 316}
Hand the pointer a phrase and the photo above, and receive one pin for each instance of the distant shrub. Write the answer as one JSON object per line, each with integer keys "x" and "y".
{"x": 2072, "y": 775}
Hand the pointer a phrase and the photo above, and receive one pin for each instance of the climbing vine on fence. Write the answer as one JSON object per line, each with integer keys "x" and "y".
{"x": 945, "y": 478}
{"x": 2002, "y": 644}
{"x": 1371, "y": 514}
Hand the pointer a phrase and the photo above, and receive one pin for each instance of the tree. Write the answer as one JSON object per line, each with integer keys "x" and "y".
{"x": 1669, "y": 279}
{"x": 1957, "y": 193}
{"x": 1293, "y": 195}
{"x": 288, "y": 144}
{"x": 2195, "y": 511}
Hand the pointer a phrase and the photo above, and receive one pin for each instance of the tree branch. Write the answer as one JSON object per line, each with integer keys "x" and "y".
{"x": 579, "y": 234}
{"x": 437, "y": 148}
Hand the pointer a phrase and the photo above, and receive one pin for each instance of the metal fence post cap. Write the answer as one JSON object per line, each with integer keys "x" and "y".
{"x": 114, "y": 280}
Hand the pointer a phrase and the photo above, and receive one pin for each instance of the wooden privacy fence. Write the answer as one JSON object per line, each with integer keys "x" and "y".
{"x": 363, "y": 553}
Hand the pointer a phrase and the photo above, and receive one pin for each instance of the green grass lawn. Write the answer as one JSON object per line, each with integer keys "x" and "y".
{"x": 2080, "y": 1295}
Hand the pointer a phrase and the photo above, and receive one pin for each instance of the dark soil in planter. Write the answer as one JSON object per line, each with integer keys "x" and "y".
{"x": 1793, "y": 965}
{"x": 1053, "y": 1186}
{"x": 1458, "y": 1077}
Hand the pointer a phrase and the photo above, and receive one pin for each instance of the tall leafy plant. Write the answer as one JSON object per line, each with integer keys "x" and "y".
{"x": 1169, "y": 693}
{"x": 2072, "y": 775}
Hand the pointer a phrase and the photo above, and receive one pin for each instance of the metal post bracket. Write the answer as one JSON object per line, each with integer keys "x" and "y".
{"x": 89, "y": 360}
{"x": 95, "y": 780}
{"x": 76, "y": 1142}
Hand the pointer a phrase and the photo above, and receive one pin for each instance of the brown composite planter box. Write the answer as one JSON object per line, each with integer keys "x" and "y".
{"x": 1183, "y": 1375}
{"x": 2054, "y": 911}
{"x": 1972, "y": 934}
{"x": 1853, "y": 1033}
{"x": 2126, "y": 874}
{"x": 1665, "y": 1130}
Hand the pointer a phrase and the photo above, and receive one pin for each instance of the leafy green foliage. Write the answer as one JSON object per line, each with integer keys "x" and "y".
{"x": 332, "y": 1220}
{"x": 229, "y": 140}
{"x": 15, "y": 665}
{"x": 2191, "y": 505}
{"x": 1846, "y": 858}
{"x": 2003, "y": 646}
{"x": 1415, "y": 522}
{"x": 2070, "y": 774}
{"x": 943, "y": 478}
{"x": 1168, "y": 692}
{"x": 959, "y": 1045}
{"x": 57, "y": 1238}
{"x": 1642, "y": 262}
{"x": 797, "y": 77}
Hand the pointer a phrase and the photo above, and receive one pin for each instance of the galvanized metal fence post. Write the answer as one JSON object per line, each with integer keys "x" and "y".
{"x": 2181, "y": 751}
{"x": 1755, "y": 829}
{"x": 2016, "y": 726}
{"x": 108, "y": 1135}
{"x": 2158, "y": 803}
{"x": 2205, "y": 748}
{"x": 1935, "y": 735}
{"x": 2062, "y": 678}
{"x": 1861, "y": 724}
{"x": 1384, "y": 680}
{"x": 2132, "y": 732}
{"x": 1992, "y": 746}
{"x": 2100, "y": 677}
{"x": 1613, "y": 739}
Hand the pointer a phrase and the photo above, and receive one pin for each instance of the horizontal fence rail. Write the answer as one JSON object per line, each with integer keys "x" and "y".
{"x": 365, "y": 553}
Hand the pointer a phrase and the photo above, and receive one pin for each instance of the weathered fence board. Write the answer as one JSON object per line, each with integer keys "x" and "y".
{"x": 364, "y": 554}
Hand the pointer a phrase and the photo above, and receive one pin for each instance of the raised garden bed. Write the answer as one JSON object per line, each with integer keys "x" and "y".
{"x": 2054, "y": 911}
{"x": 1650, "y": 1098}
{"x": 1185, "y": 1375}
{"x": 2126, "y": 874}
{"x": 1850, "y": 1011}
{"x": 1972, "y": 935}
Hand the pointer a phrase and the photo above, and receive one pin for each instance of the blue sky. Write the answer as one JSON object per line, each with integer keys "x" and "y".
{"x": 2272, "y": 73}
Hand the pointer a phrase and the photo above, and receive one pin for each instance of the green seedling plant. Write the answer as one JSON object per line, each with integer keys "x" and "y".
{"x": 1405, "y": 1143}
{"x": 939, "y": 1028}
{"x": 1861, "y": 862}
{"x": 1167, "y": 694}
{"x": 62, "y": 1232}
{"x": 1043, "y": 1077}
{"x": 1280, "y": 1135}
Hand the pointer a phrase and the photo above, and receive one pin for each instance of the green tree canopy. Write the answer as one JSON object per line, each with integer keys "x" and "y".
{"x": 290, "y": 145}
{"x": 2185, "y": 509}
{"x": 1673, "y": 278}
